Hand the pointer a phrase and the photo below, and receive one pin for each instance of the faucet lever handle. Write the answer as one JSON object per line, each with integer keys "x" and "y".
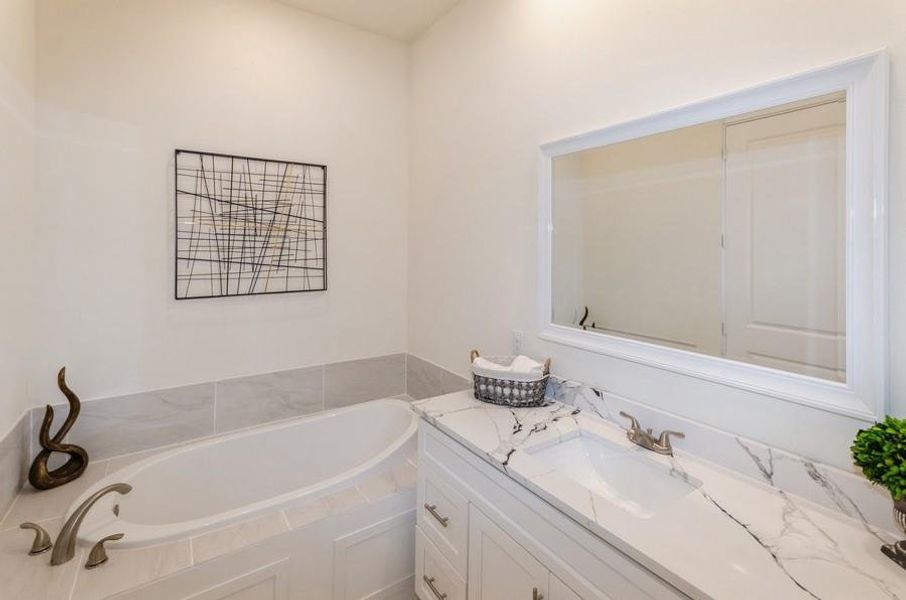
{"x": 98, "y": 554}
{"x": 634, "y": 423}
{"x": 41, "y": 542}
{"x": 664, "y": 439}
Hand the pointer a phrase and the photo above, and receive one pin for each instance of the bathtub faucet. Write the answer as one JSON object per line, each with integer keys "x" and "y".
{"x": 64, "y": 549}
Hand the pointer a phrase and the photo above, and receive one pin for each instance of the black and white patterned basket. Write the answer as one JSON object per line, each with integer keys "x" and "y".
{"x": 524, "y": 391}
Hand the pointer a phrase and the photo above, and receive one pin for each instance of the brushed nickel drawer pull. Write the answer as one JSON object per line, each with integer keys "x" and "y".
{"x": 536, "y": 595}
{"x": 432, "y": 508}
{"x": 430, "y": 582}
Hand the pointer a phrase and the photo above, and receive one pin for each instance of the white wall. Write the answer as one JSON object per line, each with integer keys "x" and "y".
{"x": 121, "y": 84}
{"x": 17, "y": 148}
{"x": 494, "y": 79}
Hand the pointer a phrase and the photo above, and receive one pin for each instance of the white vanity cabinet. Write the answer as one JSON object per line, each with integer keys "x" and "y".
{"x": 559, "y": 591}
{"x": 499, "y": 567}
{"x": 482, "y": 536}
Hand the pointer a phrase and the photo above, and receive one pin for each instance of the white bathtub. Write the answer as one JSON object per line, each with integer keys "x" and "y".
{"x": 210, "y": 483}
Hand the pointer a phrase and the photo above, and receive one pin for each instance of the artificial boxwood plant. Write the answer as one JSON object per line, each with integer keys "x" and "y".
{"x": 880, "y": 451}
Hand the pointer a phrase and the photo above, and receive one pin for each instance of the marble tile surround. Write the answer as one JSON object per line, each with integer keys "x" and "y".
{"x": 845, "y": 492}
{"x": 247, "y": 401}
{"x": 357, "y": 381}
{"x": 125, "y": 426}
{"x": 119, "y": 425}
{"x": 15, "y": 458}
{"x": 425, "y": 379}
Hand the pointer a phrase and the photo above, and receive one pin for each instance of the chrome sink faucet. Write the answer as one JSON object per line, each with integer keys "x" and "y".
{"x": 646, "y": 439}
{"x": 64, "y": 549}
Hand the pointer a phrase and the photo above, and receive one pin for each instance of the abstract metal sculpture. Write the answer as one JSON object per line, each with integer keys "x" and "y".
{"x": 39, "y": 475}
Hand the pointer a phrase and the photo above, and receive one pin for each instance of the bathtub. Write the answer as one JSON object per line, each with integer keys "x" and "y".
{"x": 211, "y": 483}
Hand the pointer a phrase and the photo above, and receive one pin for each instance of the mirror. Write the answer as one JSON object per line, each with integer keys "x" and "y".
{"x": 740, "y": 240}
{"x": 725, "y": 238}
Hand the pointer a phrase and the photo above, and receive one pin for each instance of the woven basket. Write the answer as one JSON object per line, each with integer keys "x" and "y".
{"x": 522, "y": 392}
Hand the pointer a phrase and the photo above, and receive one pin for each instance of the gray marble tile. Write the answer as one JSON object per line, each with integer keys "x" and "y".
{"x": 15, "y": 459}
{"x": 425, "y": 379}
{"x": 357, "y": 381}
{"x": 122, "y": 424}
{"x": 259, "y": 399}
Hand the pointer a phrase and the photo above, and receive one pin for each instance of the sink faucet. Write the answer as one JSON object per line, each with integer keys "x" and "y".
{"x": 64, "y": 549}
{"x": 645, "y": 437}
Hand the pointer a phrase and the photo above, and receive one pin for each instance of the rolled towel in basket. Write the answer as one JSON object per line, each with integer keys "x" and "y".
{"x": 521, "y": 365}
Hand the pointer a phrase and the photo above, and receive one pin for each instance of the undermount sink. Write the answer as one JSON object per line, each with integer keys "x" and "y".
{"x": 624, "y": 476}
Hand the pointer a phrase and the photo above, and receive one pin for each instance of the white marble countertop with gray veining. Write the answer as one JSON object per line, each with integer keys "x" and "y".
{"x": 731, "y": 537}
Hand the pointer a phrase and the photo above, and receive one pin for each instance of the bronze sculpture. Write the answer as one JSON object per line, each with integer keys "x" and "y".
{"x": 39, "y": 475}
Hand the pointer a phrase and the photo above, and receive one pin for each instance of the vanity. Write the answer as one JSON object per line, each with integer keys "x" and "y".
{"x": 481, "y": 535}
{"x": 553, "y": 503}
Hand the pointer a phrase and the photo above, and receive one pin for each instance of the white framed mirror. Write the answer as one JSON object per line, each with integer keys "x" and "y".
{"x": 741, "y": 240}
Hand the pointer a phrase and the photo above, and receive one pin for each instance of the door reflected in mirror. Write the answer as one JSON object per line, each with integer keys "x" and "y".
{"x": 726, "y": 238}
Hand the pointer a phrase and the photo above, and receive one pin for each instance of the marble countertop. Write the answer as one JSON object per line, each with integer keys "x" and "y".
{"x": 731, "y": 537}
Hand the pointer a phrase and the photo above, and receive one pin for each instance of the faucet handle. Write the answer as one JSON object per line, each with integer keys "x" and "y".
{"x": 41, "y": 542}
{"x": 98, "y": 554}
{"x": 664, "y": 440}
{"x": 634, "y": 425}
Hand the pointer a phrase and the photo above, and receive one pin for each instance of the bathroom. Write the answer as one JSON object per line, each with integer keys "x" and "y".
{"x": 452, "y": 299}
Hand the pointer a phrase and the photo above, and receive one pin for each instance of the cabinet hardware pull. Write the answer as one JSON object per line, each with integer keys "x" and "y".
{"x": 432, "y": 508}
{"x": 430, "y": 582}
{"x": 536, "y": 595}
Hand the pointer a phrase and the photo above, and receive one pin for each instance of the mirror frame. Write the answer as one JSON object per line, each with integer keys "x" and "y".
{"x": 865, "y": 392}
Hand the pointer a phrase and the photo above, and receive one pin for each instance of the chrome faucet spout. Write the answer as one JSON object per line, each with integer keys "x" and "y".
{"x": 64, "y": 549}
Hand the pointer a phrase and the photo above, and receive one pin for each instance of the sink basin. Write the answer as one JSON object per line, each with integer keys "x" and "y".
{"x": 626, "y": 477}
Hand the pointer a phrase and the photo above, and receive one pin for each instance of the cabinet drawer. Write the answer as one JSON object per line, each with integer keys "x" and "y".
{"x": 443, "y": 514}
{"x": 435, "y": 578}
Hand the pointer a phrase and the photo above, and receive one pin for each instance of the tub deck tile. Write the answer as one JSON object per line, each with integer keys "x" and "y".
{"x": 400, "y": 477}
{"x": 39, "y": 505}
{"x": 309, "y": 511}
{"x": 27, "y": 577}
{"x": 130, "y": 568}
{"x": 235, "y": 537}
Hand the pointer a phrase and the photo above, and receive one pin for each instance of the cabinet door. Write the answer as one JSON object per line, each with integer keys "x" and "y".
{"x": 559, "y": 591}
{"x": 499, "y": 567}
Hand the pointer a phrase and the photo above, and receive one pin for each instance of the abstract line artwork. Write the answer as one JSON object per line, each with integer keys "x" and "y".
{"x": 249, "y": 226}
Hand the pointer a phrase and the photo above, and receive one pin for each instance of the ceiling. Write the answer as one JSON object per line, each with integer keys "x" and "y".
{"x": 400, "y": 19}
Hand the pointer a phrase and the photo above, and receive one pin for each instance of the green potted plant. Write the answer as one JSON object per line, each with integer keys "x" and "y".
{"x": 880, "y": 451}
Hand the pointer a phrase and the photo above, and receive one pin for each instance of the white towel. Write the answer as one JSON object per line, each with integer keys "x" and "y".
{"x": 522, "y": 365}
